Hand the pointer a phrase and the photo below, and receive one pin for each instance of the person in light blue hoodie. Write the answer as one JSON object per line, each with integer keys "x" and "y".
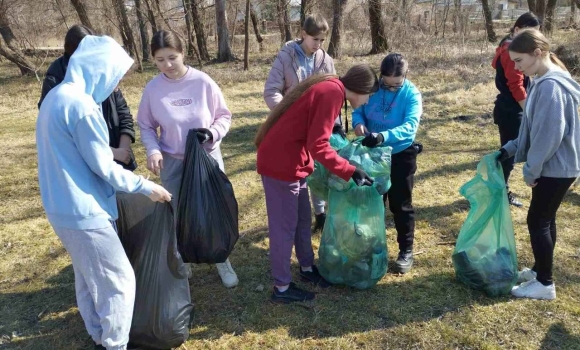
{"x": 391, "y": 118}
{"x": 78, "y": 180}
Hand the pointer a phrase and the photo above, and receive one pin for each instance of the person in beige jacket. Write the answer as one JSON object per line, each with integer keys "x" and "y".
{"x": 297, "y": 60}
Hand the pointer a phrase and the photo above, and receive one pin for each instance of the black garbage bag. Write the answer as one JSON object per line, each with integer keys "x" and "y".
{"x": 207, "y": 212}
{"x": 163, "y": 309}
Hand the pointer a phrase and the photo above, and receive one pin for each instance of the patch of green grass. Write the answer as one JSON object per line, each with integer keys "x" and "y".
{"x": 425, "y": 309}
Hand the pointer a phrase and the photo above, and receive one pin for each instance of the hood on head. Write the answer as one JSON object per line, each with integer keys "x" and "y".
{"x": 98, "y": 64}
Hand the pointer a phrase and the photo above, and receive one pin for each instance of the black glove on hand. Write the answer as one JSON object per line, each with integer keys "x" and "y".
{"x": 337, "y": 129}
{"x": 203, "y": 135}
{"x": 373, "y": 140}
{"x": 503, "y": 155}
{"x": 361, "y": 178}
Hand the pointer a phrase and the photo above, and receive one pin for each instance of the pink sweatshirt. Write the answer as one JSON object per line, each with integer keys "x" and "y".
{"x": 176, "y": 106}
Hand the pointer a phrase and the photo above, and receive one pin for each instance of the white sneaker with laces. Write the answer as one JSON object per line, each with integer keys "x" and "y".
{"x": 535, "y": 290}
{"x": 227, "y": 274}
{"x": 526, "y": 275}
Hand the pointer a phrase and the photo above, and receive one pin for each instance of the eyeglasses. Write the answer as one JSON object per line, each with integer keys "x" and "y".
{"x": 393, "y": 87}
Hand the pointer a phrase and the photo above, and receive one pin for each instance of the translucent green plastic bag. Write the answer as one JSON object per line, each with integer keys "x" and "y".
{"x": 353, "y": 249}
{"x": 485, "y": 252}
{"x": 318, "y": 180}
{"x": 374, "y": 161}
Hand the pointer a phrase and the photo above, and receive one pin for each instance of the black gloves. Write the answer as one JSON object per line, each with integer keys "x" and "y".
{"x": 203, "y": 135}
{"x": 503, "y": 155}
{"x": 361, "y": 178}
{"x": 373, "y": 140}
{"x": 337, "y": 129}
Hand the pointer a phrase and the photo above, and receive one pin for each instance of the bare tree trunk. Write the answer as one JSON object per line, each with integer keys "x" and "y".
{"x": 378, "y": 36}
{"x": 456, "y": 15}
{"x": 549, "y": 22}
{"x": 82, "y": 12}
{"x": 224, "y": 50}
{"x": 304, "y": 10}
{"x": 572, "y": 14}
{"x": 287, "y": 30}
{"x": 532, "y": 5}
{"x": 445, "y": 14}
{"x": 5, "y": 29}
{"x": 334, "y": 47}
{"x": 59, "y": 6}
{"x": 255, "y": 25}
{"x": 157, "y": 8}
{"x": 491, "y": 37}
{"x": 151, "y": 16}
{"x": 234, "y": 22}
{"x": 280, "y": 19}
{"x": 12, "y": 54}
{"x": 283, "y": 21}
{"x": 541, "y": 10}
{"x": 142, "y": 30}
{"x": 127, "y": 32}
{"x": 189, "y": 26}
{"x": 247, "y": 36}
{"x": 199, "y": 31}
{"x": 259, "y": 38}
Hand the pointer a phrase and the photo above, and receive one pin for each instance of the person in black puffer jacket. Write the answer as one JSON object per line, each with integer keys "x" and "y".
{"x": 115, "y": 109}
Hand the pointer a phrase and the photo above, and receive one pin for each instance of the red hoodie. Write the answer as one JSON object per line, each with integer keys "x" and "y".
{"x": 512, "y": 78}
{"x": 300, "y": 136}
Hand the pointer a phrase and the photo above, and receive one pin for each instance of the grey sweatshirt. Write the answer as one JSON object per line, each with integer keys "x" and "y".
{"x": 549, "y": 137}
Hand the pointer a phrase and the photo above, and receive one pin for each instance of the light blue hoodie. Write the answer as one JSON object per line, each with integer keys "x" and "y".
{"x": 399, "y": 124}
{"x": 77, "y": 175}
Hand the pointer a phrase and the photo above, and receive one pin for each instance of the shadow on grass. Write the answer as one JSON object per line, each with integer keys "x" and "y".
{"x": 43, "y": 319}
{"x": 336, "y": 312}
{"x": 559, "y": 338}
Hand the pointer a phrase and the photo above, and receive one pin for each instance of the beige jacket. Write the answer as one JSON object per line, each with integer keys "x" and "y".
{"x": 284, "y": 74}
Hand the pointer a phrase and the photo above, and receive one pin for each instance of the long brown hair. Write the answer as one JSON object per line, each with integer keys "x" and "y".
{"x": 528, "y": 40}
{"x": 360, "y": 79}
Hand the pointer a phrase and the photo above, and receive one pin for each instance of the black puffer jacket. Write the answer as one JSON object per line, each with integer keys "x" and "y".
{"x": 115, "y": 109}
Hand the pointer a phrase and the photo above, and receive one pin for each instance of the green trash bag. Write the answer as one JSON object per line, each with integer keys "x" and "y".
{"x": 376, "y": 162}
{"x": 353, "y": 249}
{"x": 485, "y": 252}
{"x": 318, "y": 180}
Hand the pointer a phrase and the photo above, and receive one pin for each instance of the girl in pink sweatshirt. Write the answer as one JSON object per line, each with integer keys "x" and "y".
{"x": 177, "y": 100}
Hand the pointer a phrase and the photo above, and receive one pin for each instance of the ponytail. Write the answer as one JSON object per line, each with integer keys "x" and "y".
{"x": 287, "y": 101}
{"x": 557, "y": 61}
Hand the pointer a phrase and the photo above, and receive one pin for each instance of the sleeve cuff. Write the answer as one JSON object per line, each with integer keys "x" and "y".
{"x": 153, "y": 151}
{"x": 147, "y": 187}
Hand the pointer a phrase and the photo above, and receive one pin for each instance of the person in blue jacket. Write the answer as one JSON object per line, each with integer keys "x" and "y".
{"x": 78, "y": 180}
{"x": 391, "y": 118}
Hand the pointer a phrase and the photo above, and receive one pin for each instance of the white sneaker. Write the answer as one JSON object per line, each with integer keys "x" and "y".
{"x": 526, "y": 275}
{"x": 534, "y": 290}
{"x": 227, "y": 274}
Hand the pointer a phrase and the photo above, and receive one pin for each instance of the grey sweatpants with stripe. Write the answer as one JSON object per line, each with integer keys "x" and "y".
{"x": 104, "y": 283}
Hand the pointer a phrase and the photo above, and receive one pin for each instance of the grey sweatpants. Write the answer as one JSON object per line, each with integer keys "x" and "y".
{"x": 104, "y": 283}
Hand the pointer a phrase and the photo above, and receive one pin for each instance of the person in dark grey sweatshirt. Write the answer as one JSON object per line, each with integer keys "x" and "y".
{"x": 549, "y": 145}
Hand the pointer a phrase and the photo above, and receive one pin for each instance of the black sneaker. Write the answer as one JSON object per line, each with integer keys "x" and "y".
{"x": 404, "y": 261}
{"x": 513, "y": 200}
{"x": 99, "y": 346}
{"x": 292, "y": 294}
{"x": 319, "y": 223}
{"x": 314, "y": 277}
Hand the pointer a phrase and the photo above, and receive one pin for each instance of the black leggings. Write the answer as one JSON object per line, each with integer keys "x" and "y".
{"x": 546, "y": 199}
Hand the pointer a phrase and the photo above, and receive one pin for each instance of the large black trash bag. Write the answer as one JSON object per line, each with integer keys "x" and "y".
{"x": 163, "y": 309}
{"x": 207, "y": 212}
